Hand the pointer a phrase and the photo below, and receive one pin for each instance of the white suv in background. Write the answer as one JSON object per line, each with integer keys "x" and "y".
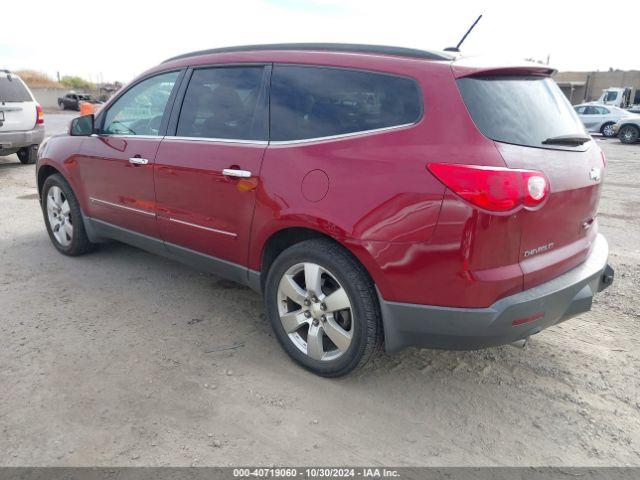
{"x": 21, "y": 120}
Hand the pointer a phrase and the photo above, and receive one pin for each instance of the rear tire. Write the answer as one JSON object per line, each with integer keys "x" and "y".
{"x": 63, "y": 218}
{"x": 62, "y": 106}
{"x": 28, "y": 155}
{"x": 629, "y": 134}
{"x": 336, "y": 325}
{"x": 607, "y": 130}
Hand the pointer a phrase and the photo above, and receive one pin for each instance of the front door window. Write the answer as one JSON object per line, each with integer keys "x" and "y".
{"x": 139, "y": 111}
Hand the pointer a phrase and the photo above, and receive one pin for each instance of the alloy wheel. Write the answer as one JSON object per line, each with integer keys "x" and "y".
{"x": 627, "y": 134}
{"x": 59, "y": 214}
{"x": 315, "y": 311}
{"x": 607, "y": 131}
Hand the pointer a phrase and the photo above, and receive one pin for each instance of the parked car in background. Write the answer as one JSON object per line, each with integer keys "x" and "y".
{"x": 72, "y": 100}
{"x": 600, "y": 118}
{"x": 628, "y": 129}
{"x": 390, "y": 196}
{"x": 21, "y": 119}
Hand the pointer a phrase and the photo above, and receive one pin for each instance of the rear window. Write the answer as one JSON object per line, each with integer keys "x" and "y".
{"x": 315, "y": 102}
{"x": 523, "y": 110}
{"x": 12, "y": 90}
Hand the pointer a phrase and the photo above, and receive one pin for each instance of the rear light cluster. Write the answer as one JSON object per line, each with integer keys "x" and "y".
{"x": 39, "y": 115}
{"x": 495, "y": 189}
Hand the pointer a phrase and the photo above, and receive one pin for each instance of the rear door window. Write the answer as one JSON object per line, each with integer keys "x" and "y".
{"x": 225, "y": 103}
{"x": 522, "y": 110}
{"x": 13, "y": 90}
{"x": 315, "y": 102}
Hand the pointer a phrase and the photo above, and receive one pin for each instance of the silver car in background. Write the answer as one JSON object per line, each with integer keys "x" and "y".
{"x": 628, "y": 129}
{"x": 600, "y": 118}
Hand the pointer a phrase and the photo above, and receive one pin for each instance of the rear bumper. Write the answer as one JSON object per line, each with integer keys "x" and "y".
{"x": 15, "y": 140}
{"x": 507, "y": 320}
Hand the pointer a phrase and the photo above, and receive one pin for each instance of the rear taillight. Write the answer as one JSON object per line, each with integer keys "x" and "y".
{"x": 39, "y": 115}
{"x": 495, "y": 189}
{"x": 604, "y": 159}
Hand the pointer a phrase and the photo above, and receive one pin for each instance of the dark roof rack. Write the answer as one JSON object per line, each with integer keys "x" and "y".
{"x": 329, "y": 47}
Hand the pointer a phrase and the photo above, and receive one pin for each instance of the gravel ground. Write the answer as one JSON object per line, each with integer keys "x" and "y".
{"x": 124, "y": 358}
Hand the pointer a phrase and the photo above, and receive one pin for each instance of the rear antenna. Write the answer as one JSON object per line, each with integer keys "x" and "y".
{"x": 457, "y": 47}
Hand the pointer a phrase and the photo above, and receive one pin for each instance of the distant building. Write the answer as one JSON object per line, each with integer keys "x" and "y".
{"x": 582, "y": 87}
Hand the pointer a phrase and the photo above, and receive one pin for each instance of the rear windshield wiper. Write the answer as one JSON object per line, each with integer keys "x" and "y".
{"x": 573, "y": 140}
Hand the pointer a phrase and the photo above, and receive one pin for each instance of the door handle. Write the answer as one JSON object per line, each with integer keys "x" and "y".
{"x": 233, "y": 172}
{"x": 138, "y": 161}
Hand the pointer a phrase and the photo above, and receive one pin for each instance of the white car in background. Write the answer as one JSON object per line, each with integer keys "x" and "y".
{"x": 600, "y": 118}
{"x": 21, "y": 120}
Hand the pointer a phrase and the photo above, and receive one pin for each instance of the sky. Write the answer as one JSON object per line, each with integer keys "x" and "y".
{"x": 119, "y": 39}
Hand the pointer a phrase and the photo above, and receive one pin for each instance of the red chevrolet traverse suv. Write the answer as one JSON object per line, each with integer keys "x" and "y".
{"x": 374, "y": 195}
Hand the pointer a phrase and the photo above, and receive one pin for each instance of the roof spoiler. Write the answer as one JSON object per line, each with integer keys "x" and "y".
{"x": 476, "y": 66}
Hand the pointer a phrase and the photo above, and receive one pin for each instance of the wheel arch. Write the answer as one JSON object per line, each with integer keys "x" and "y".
{"x": 286, "y": 237}
{"x": 604, "y": 124}
{"x": 44, "y": 172}
{"x": 630, "y": 124}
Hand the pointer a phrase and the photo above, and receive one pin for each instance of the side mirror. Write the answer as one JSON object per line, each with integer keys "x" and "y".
{"x": 82, "y": 126}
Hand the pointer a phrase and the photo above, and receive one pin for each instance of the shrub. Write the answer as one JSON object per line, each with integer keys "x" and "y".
{"x": 36, "y": 79}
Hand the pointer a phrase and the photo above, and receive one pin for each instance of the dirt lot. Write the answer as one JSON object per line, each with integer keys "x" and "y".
{"x": 121, "y": 358}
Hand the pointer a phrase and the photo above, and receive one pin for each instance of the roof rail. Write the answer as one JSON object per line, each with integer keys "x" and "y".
{"x": 328, "y": 47}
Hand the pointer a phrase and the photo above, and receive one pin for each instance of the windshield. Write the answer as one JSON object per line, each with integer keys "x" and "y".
{"x": 523, "y": 110}
{"x": 610, "y": 96}
{"x": 12, "y": 90}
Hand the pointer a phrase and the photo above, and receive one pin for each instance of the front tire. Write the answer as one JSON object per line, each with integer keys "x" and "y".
{"x": 323, "y": 308}
{"x": 63, "y": 218}
{"x": 629, "y": 134}
{"x": 607, "y": 130}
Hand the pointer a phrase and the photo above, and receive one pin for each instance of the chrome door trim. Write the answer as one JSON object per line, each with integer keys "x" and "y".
{"x": 194, "y": 225}
{"x": 291, "y": 142}
{"x": 217, "y": 140}
{"x": 343, "y": 135}
{"x": 121, "y": 135}
{"x": 110, "y": 204}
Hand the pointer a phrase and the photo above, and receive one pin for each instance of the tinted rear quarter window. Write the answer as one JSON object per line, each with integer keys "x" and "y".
{"x": 12, "y": 90}
{"x": 523, "y": 110}
{"x": 315, "y": 102}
